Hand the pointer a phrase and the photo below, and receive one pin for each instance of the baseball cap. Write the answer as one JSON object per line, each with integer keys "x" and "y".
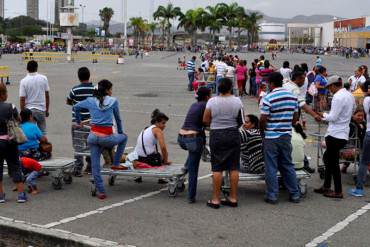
{"x": 333, "y": 79}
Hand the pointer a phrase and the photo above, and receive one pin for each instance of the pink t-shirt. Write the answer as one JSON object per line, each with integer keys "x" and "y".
{"x": 240, "y": 72}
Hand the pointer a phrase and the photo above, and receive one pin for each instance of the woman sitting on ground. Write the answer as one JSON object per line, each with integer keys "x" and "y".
{"x": 103, "y": 107}
{"x": 251, "y": 153}
{"x": 31, "y": 148}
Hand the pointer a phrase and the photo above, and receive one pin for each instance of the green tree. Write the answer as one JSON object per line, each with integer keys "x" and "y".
{"x": 253, "y": 27}
{"x": 191, "y": 21}
{"x": 167, "y": 13}
{"x": 214, "y": 21}
{"x": 139, "y": 26}
{"x": 229, "y": 15}
{"x": 106, "y": 15}
{"x": 152, "y": 26}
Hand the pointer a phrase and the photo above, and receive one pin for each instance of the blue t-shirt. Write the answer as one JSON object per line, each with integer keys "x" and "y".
{"x": 33, "y": 134}
{"x": 322, "y": 81}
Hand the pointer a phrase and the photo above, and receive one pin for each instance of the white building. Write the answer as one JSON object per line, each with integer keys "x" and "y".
{"x": 327, "y": 34}
{"x": 33, "y": 9}
{"x": 272, "y": 31}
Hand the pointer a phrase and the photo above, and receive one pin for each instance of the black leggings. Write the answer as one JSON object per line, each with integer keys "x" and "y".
{"x": 331, "y": 161}
{"x": 9, "y": 152}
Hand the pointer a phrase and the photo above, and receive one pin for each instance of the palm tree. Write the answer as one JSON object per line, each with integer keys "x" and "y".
{"x": 140, "y": 26}
{"x": 152, "y": 26}
{"x": 191, "y": 21}
{"x": 214, "y": 21}
{"x": 106, "y": 15}
{"x": 253, "y": 26}
{"x": 229, "y": 15}
{"x": 167, "y": 13}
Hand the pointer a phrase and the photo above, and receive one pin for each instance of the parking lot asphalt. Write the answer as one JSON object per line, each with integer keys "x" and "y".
{"x": 143, "y": 214}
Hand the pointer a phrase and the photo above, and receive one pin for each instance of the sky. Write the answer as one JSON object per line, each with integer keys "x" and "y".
{"x": 275, "y": 8}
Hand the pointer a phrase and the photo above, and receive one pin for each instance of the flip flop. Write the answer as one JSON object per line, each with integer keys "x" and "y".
{"x": 213, "y": 205}
{"x": 227, "y": 202}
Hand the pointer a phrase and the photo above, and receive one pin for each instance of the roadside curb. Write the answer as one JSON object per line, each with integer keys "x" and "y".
{"x": 20, "y": 233}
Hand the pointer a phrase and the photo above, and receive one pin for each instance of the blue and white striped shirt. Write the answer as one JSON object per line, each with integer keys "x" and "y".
{"x": 190, "y": 66}
{"x": 280, "y": 106}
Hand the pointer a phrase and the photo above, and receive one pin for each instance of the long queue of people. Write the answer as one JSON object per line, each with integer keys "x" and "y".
{"x": 313, "y": 90}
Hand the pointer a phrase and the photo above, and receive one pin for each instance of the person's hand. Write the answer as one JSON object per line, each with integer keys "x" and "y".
{"x": 321, "y": 114}
{"x": 47, "y": 114}
{"x": 318, "y": 118}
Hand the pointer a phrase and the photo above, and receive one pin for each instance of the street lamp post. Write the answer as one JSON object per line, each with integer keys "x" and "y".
{"x": 125, "y": 26}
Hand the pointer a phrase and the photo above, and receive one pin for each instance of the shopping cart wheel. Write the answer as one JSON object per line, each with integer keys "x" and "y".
{"x": 321, "y": 171}
{"x": 206, "y": 155}
{"x": 303, "y": 188}
{"x": 172, "y": 190}
{"x": 93, "y": 190}
{"x": 112, "y": 180}
{"x": 57, "y": 184}
{"x": 181, "y": 187}
{"x": 67, "y": 179}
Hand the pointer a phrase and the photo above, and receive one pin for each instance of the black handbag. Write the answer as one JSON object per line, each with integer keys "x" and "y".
{"x": 154, "y": 159}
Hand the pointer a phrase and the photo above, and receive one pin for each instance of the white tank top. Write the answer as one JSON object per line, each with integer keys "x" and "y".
{"x": 149, "y": 142}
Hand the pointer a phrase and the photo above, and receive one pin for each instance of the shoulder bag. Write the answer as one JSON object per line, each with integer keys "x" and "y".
{"x": 15, "y": 132}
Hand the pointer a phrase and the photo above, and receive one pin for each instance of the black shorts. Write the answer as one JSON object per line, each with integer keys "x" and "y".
{"x": 225, "y": 149}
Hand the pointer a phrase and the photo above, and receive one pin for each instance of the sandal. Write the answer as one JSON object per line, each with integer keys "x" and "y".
{"x": 227, "y": 202}
{"x": 213, "y": 205}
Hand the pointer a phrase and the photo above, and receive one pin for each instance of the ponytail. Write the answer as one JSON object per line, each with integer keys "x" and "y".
{"x": 101, "y": 90}
{"x": 158, "y": 116}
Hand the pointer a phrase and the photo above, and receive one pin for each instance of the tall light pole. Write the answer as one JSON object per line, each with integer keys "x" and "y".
{"x": 83, "y": 12}
{"x": 125, "y": 25}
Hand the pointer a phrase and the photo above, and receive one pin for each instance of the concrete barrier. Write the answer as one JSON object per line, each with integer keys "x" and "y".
{"x": 19, "y": 233}
{"x": 4, "y": 74}
{"x": 55, "y": 57}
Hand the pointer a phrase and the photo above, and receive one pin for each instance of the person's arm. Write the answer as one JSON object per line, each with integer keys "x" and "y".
{"x": 158, "y": 133}
{"x": 295, "y": 118}
{"x": 77, "y": 109}
{"x": 70, "y": 98}
{"x": 22, "y": 96}
{"x": 207, "y": 117}
{"x": 117, "y": 117}
{"x": 263, "y": 122}
{"x": 309, "y": 110}
{"x": 47, "y": 99}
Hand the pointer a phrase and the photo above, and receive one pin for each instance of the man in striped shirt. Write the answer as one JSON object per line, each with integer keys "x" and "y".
{"x": 79, "y": 93}
{"x": 278, "y": 113}
{"x": 190, "y": 67}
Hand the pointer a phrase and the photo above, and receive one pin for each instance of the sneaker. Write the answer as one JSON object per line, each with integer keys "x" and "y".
{"x": 22, "y": 198}
{"x": 294, "y": 200}
{"x": 309, "y": 169}
{"x": 270, "y": 201}
{"x": 101, "y": 196}
{"x": 356, "y": 192}
{"x": 2, "y": 198}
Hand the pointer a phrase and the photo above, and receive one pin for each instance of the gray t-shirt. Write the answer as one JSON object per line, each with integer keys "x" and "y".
{"x": 224, "y": 111}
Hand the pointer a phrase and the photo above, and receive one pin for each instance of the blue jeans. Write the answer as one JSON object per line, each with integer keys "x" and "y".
{"x": 364, "y": 162}
{"x": 31, "y": 178}
{"x": 191, "y": 76}
{"x": 278, "y": 156}
{"x": 96, "y": 145}
{"x": 218, "y": 78}
{"x": 194, "y": 146}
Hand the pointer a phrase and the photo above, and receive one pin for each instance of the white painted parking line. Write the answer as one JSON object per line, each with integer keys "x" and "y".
{"x": 338, "y": 227}
{"x": 109, "y": 207}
